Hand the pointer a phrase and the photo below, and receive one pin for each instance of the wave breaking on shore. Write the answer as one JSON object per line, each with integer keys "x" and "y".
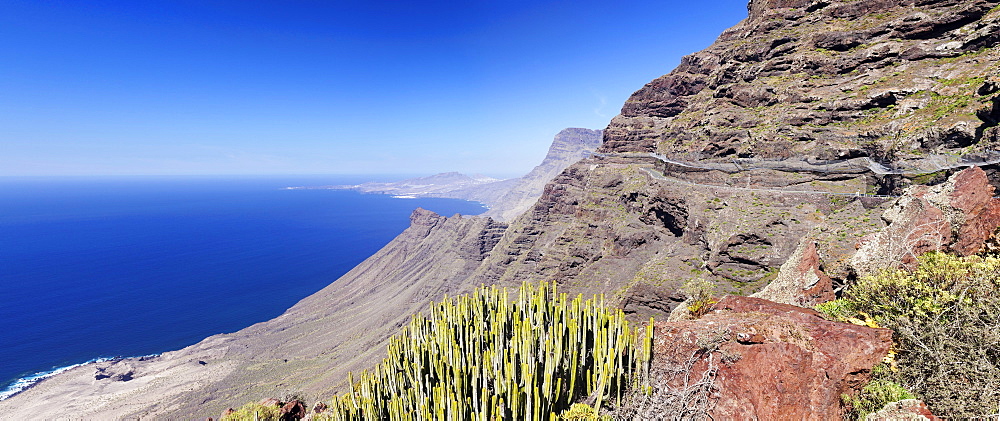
{"x": 26, "y": 382}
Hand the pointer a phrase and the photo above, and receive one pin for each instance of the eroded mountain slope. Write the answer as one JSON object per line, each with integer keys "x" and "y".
{"x": 774, "y": 136}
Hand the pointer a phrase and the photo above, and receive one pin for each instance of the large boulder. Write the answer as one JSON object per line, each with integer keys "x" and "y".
{"x": 293, "y": 410}
{"x": 751, "y": 358}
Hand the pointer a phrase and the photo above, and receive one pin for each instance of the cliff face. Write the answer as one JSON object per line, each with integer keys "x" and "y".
{"x": 890, "y": 80}
{"x": 768, "y": 142}
{"x": 568, "y": 147}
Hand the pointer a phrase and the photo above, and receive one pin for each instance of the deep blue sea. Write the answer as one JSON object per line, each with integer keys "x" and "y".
{"x": 105, "y": 267}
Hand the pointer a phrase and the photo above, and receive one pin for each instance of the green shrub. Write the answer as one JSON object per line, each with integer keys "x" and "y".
{"x": 579, "y": 412}
{"x": 946, "y": 319}
{"x": 699, "y": 293}
{"x": 254, "y": 412}
{"x": 882, "y": 389}
{"x": 479, "y": 356}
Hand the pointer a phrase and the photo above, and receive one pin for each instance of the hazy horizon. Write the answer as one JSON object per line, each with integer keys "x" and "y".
{"x": 318, "y": 88}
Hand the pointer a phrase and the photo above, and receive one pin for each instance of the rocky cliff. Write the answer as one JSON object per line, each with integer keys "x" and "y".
{"x": 774, "y": 154}
{"x": 568, "y": 147}
{"x": 894, "y": 81}
{"x": 775, "y": 136}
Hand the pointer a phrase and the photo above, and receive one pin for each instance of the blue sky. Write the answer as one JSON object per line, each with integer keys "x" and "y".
{"x": 324, "y": 87}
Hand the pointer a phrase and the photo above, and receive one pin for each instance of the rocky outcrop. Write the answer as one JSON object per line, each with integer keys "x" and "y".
{"x": 293, "y": 410}
{"x": 114, "y": 371}
{"x": 960, "y": 215}
{"x": 754, "y": 359}
{"x": 800, "y": 280}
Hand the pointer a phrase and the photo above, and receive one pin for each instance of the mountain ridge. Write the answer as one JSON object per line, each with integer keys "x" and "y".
{"x": 506, "y": 199}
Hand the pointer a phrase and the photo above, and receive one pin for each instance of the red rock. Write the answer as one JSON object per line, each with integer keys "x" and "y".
{"x": 293, "y": 410}
{"x": 960, "y": 215}
{"x": 319, "y": 407}
{"x": 962, "y": 220}
{"x": 774, "y": 361}
{"x": 270, "y": 402}
{"x": 800, "y": 280}
{"x": 928, "y": 230}
{"x": 973, "y": 195}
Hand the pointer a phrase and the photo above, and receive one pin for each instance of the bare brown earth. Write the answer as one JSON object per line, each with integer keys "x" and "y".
{"x": 890, "y": 81}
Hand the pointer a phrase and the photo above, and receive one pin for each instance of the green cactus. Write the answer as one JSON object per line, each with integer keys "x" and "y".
{"x": 480, "y": 357}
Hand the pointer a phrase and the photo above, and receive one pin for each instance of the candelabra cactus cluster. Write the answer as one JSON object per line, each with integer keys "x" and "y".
{"x": 480, "y": 357}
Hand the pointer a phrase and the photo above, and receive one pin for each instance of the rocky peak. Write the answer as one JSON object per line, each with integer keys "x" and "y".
{"x": 425, "y": 218}
{"x": 569, "y": 146}
{"x": 579, "y": 142}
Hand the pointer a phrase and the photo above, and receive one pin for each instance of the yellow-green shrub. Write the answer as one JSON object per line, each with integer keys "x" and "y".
{"x": 700, "y": 296}
{"x": 579, "y": 412}
{"x": 946, "y": 319}
{"x": 254, "y": 412}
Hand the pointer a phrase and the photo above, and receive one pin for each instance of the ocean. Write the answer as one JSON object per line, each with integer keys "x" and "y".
{"x": 94, "y": 267}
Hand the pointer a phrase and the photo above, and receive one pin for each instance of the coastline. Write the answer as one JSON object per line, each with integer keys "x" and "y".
{"x": 27, "y": 382}
{"x": 130, "y": 387}
{"x": 302, "y": 242}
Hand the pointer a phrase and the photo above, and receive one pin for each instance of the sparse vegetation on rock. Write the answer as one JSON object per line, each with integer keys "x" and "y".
{"x": 699, "y": 293}
{"x": 880, "y": 391}
{"x": 946, "y": 317}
